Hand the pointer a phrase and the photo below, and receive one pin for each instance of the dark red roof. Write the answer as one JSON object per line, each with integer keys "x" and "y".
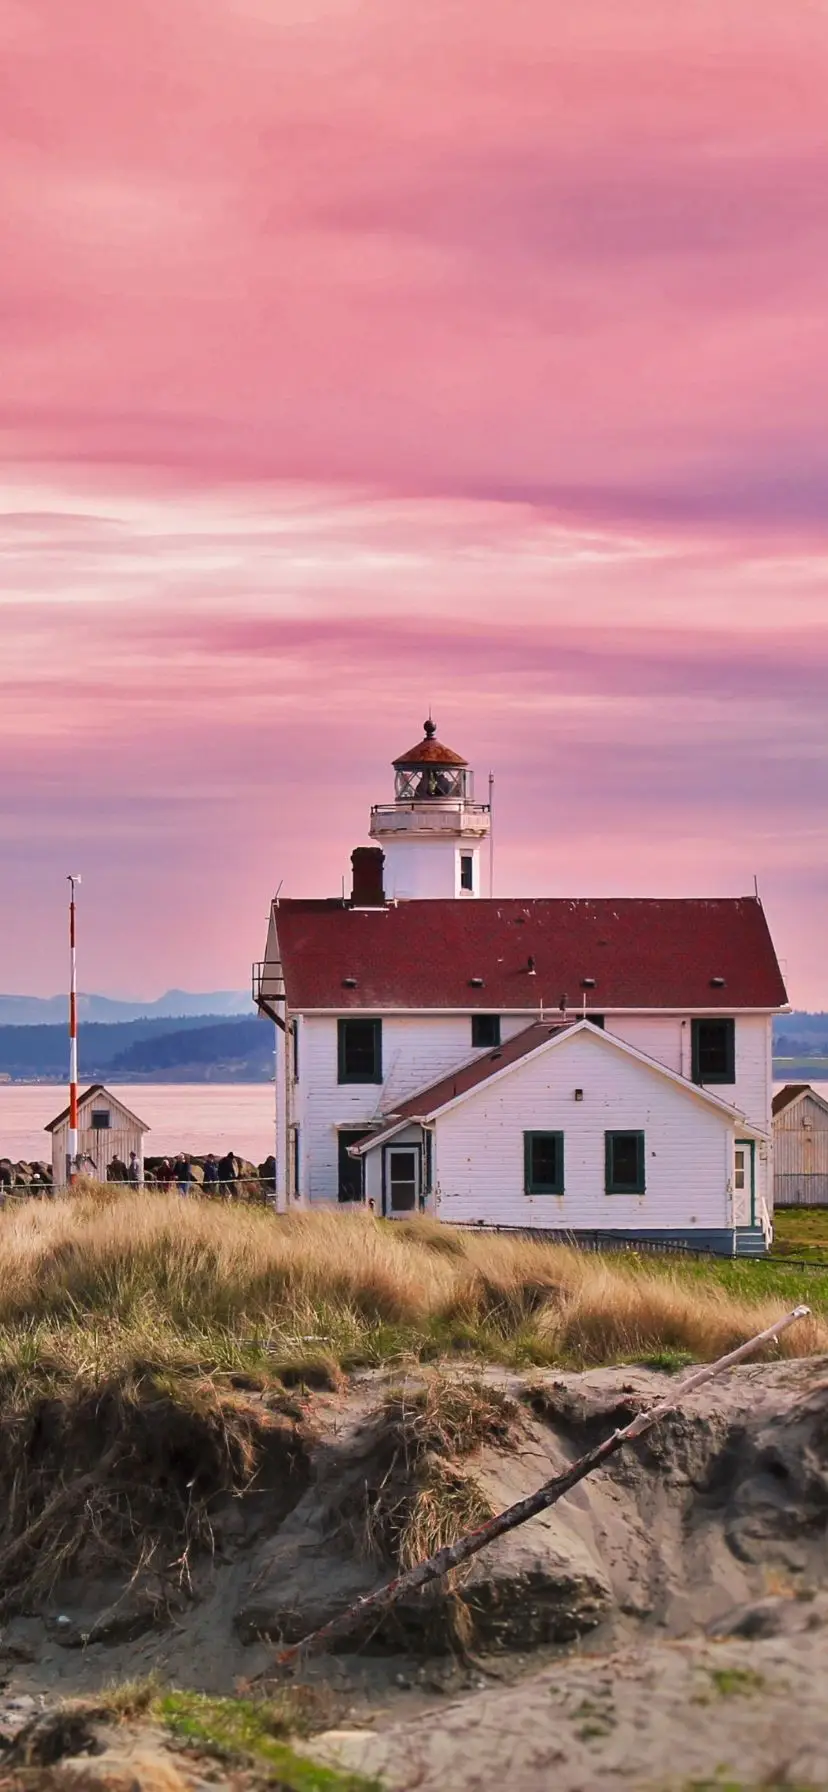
{"x": 641, "y": 953}
{"x": 783, "y": 1097}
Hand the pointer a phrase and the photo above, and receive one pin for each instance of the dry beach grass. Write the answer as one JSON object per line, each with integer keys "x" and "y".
{"x": 93, "y": 1283}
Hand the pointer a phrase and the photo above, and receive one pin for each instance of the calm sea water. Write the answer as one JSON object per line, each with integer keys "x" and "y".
{"x": 194, "y": 1117}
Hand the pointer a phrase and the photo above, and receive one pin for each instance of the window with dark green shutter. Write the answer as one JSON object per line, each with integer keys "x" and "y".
{"x": 624, "y": 1153}
{"x": 543, "y": 1163}
{"x": 714, "y": 1051}
{"x": 359, "y": 1048}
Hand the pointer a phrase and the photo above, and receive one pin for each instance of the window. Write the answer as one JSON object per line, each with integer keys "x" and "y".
{"x": 624, "y": 1163}
{"x": 360, "y": 1050}
{"x": 350, "y": 1169}
{"x": 714, "y": 1051}
{"x": 294, "y": 1031}
{"x": 101, "y": 1120}
{"x": 466, "y": 871}
{"x": 543, "y": 1168}
{"x": 485, "y": 1029}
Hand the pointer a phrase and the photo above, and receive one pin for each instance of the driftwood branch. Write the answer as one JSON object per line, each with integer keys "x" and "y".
{"x": 375, "y": 1604}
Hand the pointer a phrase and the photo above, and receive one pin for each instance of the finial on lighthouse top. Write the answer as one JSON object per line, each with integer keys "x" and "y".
{"x": 429, "y": 728}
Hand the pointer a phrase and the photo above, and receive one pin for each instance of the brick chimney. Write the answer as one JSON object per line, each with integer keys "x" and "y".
{"x": 367, "y": 863}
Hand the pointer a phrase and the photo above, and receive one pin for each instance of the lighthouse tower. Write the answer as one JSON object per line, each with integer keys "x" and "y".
{"x": 433, "y": 832}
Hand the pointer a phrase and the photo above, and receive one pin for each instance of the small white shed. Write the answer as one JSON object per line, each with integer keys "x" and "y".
{"x": 107, "y": 1132}
{"x": 800, "y": 1147}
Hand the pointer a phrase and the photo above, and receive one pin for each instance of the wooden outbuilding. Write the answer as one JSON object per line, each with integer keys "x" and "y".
{"x": 800, "y": 1147}
{"x": 108, "y": 1133}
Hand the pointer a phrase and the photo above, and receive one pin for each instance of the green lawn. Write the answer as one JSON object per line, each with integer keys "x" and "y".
{"x": 801, "y": 1232}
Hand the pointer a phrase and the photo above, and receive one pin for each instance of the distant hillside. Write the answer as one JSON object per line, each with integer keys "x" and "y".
{"x": 228, "y": 1051}
{"x": 239, "y": 1049}
{"x": 800, "y": 1047}
{"x": 176, "y": 1004}
{"x": 801, "y": 1032}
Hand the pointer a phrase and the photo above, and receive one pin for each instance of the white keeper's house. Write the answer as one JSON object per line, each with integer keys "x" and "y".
{"x": 562, "y": 1064}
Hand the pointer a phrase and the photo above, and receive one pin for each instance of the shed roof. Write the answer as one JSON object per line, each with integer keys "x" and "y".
{"x": 793, "y": 1092}
{"x": 783, "y": 1097}
{"x": 520, "y": 954}
{"x": 97, "y": 1089}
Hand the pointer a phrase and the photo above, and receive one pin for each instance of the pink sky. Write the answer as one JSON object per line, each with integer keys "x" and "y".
{"x": 356, "y": 357}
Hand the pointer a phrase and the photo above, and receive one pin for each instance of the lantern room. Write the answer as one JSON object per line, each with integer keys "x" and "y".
{"x": 431, "y": 772}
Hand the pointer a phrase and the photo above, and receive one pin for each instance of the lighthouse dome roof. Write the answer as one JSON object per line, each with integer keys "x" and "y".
{"x": 429, "y": 751}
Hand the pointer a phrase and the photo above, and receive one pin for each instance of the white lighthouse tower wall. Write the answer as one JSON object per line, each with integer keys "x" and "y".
{"x": 421, "y": 867}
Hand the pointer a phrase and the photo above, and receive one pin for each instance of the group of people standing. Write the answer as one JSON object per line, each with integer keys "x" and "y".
{"x": 219, "y": 1176}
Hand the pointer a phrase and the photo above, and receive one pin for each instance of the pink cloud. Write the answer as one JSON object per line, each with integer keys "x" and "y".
{"x": 369, "y": 355}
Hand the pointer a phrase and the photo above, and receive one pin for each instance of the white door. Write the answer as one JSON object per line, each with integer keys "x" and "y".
{"x": 402, "y": 1181}
{"x": 743, "y": 1198}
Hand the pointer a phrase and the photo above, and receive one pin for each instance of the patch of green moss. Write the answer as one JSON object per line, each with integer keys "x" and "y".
{"x": 736, "y": 1682}
{"x": 241, "y": 1727}
{"x": 670, "y": 1361}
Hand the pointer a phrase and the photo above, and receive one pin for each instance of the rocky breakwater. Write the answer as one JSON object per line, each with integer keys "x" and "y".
{"x": 247, "y": 1180}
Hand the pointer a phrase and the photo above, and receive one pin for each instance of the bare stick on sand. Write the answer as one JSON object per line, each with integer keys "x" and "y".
{"x": 374, "y": 1604}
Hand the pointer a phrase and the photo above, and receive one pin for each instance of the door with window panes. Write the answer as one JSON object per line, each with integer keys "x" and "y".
{"x": 744, "y": 1197}
{"x": 402, "y": 1180}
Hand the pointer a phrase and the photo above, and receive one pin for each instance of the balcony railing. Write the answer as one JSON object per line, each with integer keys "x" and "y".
{"x": 267, "y": 982}
{"x": 430, "y": 817}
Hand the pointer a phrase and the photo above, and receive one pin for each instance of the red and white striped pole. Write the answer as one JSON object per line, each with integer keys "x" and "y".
{"x": 73, "y": 1037}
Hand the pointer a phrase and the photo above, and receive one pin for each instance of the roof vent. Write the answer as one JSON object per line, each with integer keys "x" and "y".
{"x": 530, "y": 965}
{"x": 349, "y": 983}
{"x": 717, "y": 983}
{"x": 475, "y": 982}
{"x": 587, "y": 982}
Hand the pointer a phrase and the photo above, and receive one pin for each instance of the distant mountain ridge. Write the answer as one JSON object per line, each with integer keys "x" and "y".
{"x": 175, "y": 1004}
{"x": 185, "y": 1049}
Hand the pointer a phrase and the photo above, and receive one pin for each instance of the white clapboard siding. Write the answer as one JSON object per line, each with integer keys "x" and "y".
{"x": 667, "y": 1037}
{"x": 801, "y": 1154}
{"x": 416, "y": 1049}
{"x": 419, "y": 1048}
{"x": 479, "y": 1167}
